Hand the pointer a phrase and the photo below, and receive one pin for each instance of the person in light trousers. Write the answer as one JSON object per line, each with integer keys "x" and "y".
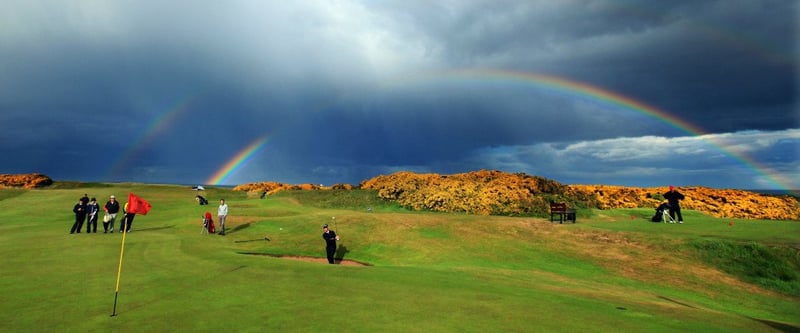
{"x": 222, "y": 213}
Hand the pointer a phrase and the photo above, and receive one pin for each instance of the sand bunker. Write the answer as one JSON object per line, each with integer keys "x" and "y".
{"x": 337, "y": 261}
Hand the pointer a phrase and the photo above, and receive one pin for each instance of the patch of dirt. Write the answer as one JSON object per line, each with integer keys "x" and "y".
{"x": 337, "y": 261}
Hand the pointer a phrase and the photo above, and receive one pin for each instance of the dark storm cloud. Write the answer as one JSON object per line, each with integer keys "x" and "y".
{"x": 686, "y": 57}
{"x": 348, "y": 90}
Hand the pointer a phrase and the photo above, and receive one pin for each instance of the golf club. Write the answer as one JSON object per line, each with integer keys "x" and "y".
{"x": 335, "y": 228}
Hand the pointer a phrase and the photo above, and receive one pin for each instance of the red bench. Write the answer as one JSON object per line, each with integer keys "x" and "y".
{"x": 564, "y": 213}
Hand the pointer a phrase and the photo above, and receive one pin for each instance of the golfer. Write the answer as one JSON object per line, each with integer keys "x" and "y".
{"x": 128, "y": 220}
{"x": 222, "y": 212}
{"x": 673, "y": 197}
{"x": 330, "y": 242}
{"x": 80, "y": 215}
{"x": 111, "y": 208}
{"x": 85, "y": 201}
{"x": 92, "y": 208}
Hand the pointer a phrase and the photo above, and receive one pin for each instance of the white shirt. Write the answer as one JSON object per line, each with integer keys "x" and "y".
{"x": 223, "y": 210}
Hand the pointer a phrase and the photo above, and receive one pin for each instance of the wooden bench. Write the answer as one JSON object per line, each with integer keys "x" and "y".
{"x": 560, "y": 209}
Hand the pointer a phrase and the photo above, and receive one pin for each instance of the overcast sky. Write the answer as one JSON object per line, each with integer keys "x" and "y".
{"x": 343, "y": 91}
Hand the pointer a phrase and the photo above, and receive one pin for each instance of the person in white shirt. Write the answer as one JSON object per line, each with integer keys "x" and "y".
{"x": 222, "y": 212}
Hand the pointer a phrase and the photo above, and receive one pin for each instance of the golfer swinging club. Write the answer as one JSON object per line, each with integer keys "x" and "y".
{"x": 330, "y": 242}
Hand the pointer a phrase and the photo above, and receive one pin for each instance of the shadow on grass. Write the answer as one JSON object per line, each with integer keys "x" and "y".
{"x": 340, "y": 253}
{"x": 252, "y": 240}
{"x": 152, "y": 229}
{"x": 676, "y": 302}
{"x": 783, "y": 327}
{"x": 239, "y": 227}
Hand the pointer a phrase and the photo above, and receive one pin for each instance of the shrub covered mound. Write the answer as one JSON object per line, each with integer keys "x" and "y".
{"x": 480, "y": 192}
{"x": 487, "y": 192}
{"x": 725, "y": 203}
{"x": 31, "y": 180}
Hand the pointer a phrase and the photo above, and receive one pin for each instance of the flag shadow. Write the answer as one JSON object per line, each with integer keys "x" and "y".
{"x": 155, "y": 228}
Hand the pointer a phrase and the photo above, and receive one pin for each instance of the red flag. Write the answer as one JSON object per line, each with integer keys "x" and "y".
{"x": 137, "y": 205}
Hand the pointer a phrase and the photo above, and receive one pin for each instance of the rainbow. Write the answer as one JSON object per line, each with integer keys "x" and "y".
{"x": 240, "y": 159}
{"x": 585, "y": 90}
{"x": 157, "y": 125}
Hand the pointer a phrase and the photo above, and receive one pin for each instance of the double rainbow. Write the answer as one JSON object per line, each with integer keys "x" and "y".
{"x": 553, "y": 83}
{"x": 240, "y": 159}
{"x": 582, "y": 89}
{"x": 155, "y": 127}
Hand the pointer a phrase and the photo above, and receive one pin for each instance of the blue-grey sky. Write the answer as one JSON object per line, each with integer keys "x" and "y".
{"x": 343, "y": 91}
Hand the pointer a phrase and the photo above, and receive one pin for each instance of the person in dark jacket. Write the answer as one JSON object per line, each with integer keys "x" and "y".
{"x": 673, "y": 197}
{"x": 80, "y": 214}
{"x": 92, "y": 209}
{"x": 330, "y": 242}
{"x": 127, "y": 221}
{"x": 85, "y": 201}
{"x": 111, "y": 208}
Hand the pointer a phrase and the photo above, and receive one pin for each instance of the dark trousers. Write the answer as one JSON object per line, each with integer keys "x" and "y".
{"x": 331, "y": 251}
{"x": 127, "y": 222}
{"x": 675, "y": 210}
{"x": 76, "y": 227}
{"x": 92, "y": 224}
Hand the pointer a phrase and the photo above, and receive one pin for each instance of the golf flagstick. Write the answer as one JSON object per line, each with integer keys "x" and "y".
{"x": 119, "y": 270}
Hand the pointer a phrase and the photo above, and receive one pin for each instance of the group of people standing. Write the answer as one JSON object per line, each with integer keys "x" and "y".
{"x": 87, "y": 211}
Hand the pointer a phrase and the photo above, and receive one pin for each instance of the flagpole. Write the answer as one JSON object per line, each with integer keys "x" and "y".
{"x": 119, "y": 270}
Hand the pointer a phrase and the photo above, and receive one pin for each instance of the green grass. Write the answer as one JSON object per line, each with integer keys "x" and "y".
{"x": 612, "y": 271}
{"x": 773, "y": 267}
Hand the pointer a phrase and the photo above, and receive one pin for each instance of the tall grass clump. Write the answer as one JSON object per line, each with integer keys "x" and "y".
{"x": 772, "y": 267}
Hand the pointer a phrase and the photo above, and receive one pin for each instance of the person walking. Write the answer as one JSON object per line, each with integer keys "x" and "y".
{"x": 80, "y": 214}
{"x": 222, "y": 213}
{"x": 111, "y": 208}
{"x": 673, "y": 197}
{"x": 91, "y": 210}
{"x": 330, "y": 242}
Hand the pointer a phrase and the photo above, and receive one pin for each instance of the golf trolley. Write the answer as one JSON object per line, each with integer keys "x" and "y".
{"x": 662, "y": 214}
{"x": 208, "y": 224}
{"x": 666, "y": 217}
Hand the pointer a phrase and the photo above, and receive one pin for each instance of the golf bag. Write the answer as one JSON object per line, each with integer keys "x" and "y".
{"x": 664, "y": 207}
{"x": 208, "y": 224}
{"x": 201, "y": 200}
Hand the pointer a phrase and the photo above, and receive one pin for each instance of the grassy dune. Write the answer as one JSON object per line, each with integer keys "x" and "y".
{"x": 613, "y": 271}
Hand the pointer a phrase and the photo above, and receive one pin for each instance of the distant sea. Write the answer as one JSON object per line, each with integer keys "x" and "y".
{"x": 795, "y": 193}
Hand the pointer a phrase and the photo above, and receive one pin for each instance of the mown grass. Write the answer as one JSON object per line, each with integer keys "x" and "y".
{"x": 432, "y": 272}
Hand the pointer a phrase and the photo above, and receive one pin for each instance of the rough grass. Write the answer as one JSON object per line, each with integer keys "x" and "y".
{"x": 772, "y": 267}
{"x": 612, "y": 271}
